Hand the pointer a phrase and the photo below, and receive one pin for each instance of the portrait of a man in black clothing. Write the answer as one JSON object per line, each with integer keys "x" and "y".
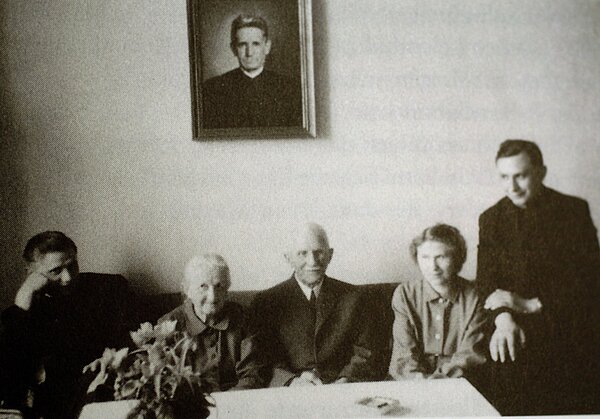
{"x": 251, "y": 95}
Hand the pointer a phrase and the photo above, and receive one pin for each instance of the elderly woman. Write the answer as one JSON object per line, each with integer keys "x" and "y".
{"x": 439, "y": 320}
{"x": 226, "y": 352}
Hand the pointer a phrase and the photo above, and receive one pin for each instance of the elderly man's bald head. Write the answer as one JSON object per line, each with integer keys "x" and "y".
{"x": 309, "y": 231}
{"x": 309, "y": 254}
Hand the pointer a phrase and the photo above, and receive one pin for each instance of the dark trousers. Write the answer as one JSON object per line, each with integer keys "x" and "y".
{"x": 541, "y": 382}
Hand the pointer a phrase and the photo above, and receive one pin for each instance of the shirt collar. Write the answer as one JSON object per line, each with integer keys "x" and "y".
{"x": 253, "y": 74}
{"x": 195, "y": 326}
{"x": 538, "y": 202}
{"x": 430, "y": 294}
{"x": 306, "y": 290}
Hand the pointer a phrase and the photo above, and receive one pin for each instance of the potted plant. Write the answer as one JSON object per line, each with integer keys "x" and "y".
{"x": 159, "y": 373}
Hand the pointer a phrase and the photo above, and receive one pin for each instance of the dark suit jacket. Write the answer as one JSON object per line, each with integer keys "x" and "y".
{"x": 226, "y": 354}
{"x": 548, "y": 250}
{"x": 234, "y": 100}
{"x": 340, "y": 347}
{"x": 64, "y": 334}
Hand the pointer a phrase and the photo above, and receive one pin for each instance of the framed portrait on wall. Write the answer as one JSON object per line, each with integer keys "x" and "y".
{"x": 251, "y": 68}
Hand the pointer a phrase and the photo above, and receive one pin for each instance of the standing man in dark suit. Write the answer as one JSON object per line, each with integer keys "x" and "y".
{"x": 314, "y": 326}
{"x": 60, "y": 321}
{"x": 538, "y": 267}
{"x": 250, "y": 95}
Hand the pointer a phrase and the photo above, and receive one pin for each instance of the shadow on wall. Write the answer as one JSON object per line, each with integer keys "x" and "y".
{"x": 321, "y": 68}
{"x": 13, "y": 191}
{"x": 143, "y": 273}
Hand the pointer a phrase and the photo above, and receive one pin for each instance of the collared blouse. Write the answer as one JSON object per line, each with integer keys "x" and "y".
{"x": 437, "y": 336}
{"x": 226, "y": 354}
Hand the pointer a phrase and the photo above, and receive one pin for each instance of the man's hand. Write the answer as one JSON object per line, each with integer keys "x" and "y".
{"x": 34, "y": 282}
{"x": 307, "y": 378}
{"x": 341, "y": 380}
{"x": 511, "y": 300}
{"x": 508, "y": 338}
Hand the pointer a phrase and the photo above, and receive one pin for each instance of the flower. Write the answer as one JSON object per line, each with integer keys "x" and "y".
{"x": 159, "y": 372}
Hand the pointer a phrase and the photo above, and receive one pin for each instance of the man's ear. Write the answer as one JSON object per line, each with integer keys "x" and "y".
{"x": 268, "y": 46}
{"x": 543, "y": 172}
{"x": 287, "y": 257}
{"x": 330, "y": 254}
{"x": 232, "y": 46}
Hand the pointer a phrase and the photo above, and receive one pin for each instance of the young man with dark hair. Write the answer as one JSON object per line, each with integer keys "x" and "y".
{"x": 538, "y": 266}
{"x": 60, "y": 321}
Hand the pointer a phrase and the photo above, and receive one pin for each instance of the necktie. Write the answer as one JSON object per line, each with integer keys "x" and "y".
{"x": 313, "y": 306}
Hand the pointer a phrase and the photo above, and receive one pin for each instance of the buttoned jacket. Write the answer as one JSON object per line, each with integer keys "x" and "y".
{"x": 437, "y": 336}
{"x": 550, "y": 251}
{"x": 338, "y": 345}
{"x": 227, "y": 353}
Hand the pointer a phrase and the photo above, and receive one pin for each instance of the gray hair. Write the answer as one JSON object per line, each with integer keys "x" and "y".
{"x": 206, "y": 264}
{"x": 312, "y": 228}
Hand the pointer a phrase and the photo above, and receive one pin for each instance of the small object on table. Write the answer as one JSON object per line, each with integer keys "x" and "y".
{"x": 379, "y": 405}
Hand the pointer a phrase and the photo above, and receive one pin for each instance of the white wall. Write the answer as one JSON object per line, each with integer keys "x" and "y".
{"x": 413, "y": 99}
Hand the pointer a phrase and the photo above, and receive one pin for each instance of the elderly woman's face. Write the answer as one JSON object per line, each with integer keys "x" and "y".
{"x": 208, "y": 293}
{"x": 436, "y": 262}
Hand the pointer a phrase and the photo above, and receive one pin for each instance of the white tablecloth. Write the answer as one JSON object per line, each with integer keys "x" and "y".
{"x": 430, "y": 398}
{"x": 450, "y": 397}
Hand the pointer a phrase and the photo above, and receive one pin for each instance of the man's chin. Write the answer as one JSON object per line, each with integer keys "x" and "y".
{"x": 212, "y": 310}
{"x": 518, "y": 200}
{"x": 250, "y": 68}
{"x": 58, "y": 290}
{"x": 313, "y": 279}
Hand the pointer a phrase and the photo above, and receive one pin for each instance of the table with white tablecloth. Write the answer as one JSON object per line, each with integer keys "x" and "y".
{"x": 429, "y": 398}
{"x": 447, "y": 397}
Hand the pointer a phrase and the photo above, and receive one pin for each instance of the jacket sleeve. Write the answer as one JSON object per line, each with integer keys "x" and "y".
{"x": 269, "y": 348}
{"x": 407, "y": 352}
{"x": 20, "y": 355}
{"x": 250, "y": 367}
{"x": 487, "y": 259}
{"x": 361, "y": 366}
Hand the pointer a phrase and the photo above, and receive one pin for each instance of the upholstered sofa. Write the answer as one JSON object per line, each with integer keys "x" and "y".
{"x": 149, "y": 308}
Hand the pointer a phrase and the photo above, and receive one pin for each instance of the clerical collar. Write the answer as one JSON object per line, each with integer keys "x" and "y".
{"x": 307, "y": 290}
{"x": 254, "y": 73}
{"x": 536, "y": 202}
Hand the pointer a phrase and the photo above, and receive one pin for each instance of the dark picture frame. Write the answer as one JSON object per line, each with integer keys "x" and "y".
{"x": 290, "y": 61}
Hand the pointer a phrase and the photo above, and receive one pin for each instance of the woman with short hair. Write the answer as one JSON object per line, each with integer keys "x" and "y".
{"x": 439, "y": 325}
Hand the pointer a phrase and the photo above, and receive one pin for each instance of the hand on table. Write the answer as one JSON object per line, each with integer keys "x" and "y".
{"x": 307, "y": 378}
{"x": 507, "y": 340}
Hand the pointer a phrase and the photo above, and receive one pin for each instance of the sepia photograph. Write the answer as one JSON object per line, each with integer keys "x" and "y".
{"x": 251, "y": 66}
{"x": 320, "y": 209}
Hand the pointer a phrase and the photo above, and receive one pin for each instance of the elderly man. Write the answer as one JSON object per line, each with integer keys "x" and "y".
{"x": 226, "y": 353}
{"x": 314, "y": 326}
{"x": 538, "y": 267}
{"x": 250, "y": 95}
{"x": 439, "y": 326}
{"x": 59, "y": 322}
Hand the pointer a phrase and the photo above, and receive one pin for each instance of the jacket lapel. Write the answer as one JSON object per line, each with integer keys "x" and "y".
{"x": 328, "y": 298}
